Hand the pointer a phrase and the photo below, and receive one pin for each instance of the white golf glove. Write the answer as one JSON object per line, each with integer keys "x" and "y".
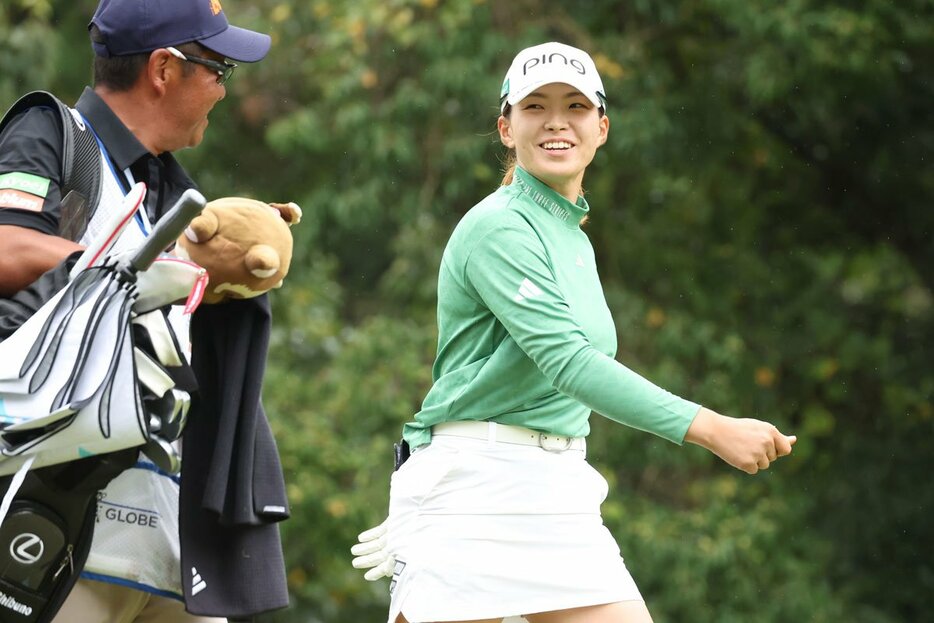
{"x": 371, "y": 553}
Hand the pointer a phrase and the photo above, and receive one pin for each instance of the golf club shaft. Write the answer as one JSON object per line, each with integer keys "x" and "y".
{"x": 167, "y": 229}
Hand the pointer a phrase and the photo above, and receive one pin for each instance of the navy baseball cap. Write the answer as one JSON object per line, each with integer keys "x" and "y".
{"x": 137, "y": 26}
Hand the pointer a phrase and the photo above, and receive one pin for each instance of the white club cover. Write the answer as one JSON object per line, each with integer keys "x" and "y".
{"x": 61, "y": 372}
{"x": 169, "y": 280}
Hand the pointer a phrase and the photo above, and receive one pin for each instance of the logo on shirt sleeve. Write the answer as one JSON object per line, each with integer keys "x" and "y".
{"x": 26, "y": 182}
{"x": 21, "y": 200}
{"x": 23, "y": 190}
{"x": 527, "y": 290}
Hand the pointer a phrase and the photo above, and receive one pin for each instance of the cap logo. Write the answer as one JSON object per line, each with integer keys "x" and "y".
{"x": 216, "y": 7}
{"x": 550, "y": 58}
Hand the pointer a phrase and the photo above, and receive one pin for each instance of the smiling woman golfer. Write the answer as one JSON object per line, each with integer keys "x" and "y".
{"x": 497, "y": 512}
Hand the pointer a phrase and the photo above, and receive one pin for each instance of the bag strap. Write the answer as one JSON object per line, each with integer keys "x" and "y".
{"x": 81, "y": 163}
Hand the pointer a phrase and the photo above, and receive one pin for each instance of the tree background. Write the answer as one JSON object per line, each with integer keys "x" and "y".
{"x": 762, "y": 217}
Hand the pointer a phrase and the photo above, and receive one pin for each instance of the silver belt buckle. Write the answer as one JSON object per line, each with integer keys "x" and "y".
{"x": 554, "y": 444}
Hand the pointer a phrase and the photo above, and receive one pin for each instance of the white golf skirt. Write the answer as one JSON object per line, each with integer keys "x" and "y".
{"x": 483, "y": 530}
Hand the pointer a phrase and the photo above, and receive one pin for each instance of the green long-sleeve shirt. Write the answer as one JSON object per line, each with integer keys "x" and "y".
{"x": 524, "y": 333}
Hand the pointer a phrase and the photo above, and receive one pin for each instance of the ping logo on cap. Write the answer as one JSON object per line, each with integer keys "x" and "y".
{"x": 216, "y": 7}
{"x": 550, "y": 58}
{"x": 548, "y": 63}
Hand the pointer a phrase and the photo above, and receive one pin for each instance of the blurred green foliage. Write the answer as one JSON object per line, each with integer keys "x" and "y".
{"x": 763, "y": 223}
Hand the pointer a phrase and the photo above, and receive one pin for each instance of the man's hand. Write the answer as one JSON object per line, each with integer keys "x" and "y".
{"x": 371, "y": 553}
{"x": 744, "y": 443}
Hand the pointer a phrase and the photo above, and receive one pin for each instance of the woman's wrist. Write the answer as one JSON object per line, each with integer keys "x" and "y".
{"x": 702, "y": 431}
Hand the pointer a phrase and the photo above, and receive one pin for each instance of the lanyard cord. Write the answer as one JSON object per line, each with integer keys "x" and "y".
{"x": 126, "y": 178}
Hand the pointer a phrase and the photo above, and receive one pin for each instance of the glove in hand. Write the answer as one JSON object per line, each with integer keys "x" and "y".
{"x": 371, "y": 553}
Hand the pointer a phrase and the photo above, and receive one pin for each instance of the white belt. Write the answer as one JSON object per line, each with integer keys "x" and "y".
{"x": 493, "y": 432}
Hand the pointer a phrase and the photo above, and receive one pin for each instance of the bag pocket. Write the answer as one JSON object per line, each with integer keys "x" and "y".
{"x": 46, "y": 535}
{"x": 38, "y": 561}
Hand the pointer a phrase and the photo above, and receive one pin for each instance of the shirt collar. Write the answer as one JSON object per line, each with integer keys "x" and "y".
{"x": 122, "y": 146}
{"x": 548, "y": 198}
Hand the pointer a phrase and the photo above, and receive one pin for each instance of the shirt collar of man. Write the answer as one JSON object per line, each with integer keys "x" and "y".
{"x": 122, "y": 145}
{"x": 126, "y": 151}
{"x": 550, "y": 199}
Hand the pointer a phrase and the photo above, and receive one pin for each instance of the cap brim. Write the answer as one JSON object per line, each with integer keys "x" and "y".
{"x": 517, "y": 96}
{"x": 239, "y": 44}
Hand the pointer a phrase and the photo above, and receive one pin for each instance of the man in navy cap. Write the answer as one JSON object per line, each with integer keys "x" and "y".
{"x": 160, "y": 66}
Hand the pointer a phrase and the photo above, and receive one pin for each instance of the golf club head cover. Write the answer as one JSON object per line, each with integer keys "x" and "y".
{"x": 245, "y": 245}
{"x": 170, "y": 280}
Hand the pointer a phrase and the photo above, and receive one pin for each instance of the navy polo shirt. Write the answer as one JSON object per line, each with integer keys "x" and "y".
{"x": 31, "y": 164}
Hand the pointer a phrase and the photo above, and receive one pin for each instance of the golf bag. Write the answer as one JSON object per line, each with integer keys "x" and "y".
{"x": 85, "y": 384}
{"x": 37, "y": 540}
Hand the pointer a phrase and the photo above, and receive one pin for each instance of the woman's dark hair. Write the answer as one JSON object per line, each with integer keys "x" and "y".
{"x": 509, "y": 163}
{"x": 119, "y": 73}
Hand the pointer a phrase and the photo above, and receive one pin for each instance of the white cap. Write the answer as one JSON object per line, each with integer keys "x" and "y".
{"x": 548, "y": 63}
